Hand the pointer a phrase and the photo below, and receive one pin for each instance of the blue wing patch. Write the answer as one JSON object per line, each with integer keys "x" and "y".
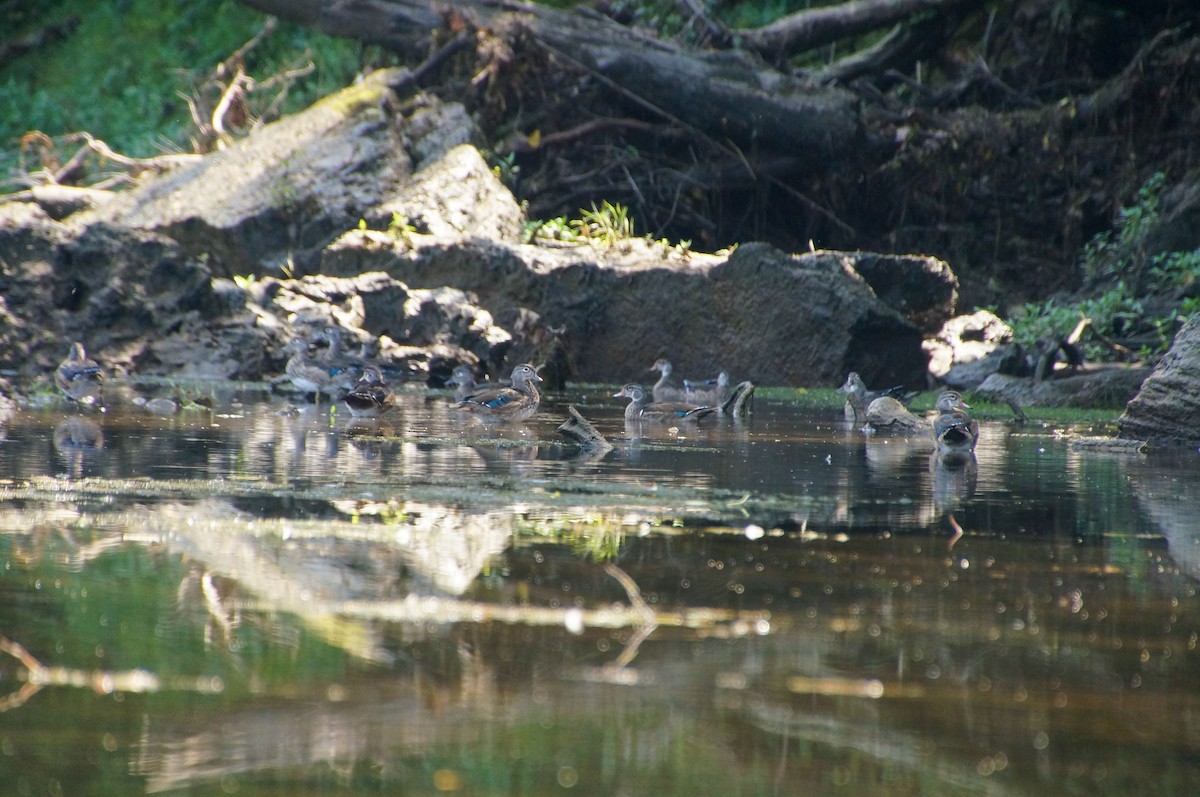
{"x": 497, "y": 402}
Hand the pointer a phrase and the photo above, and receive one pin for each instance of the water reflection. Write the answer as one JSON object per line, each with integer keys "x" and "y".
{"x": 78, "y": 440}
{"x": 773, "y": 605}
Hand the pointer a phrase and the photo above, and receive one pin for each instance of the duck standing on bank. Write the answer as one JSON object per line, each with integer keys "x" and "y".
{"x": 641, "y": 409}
{"x": 370, "y": 397}
{"x": 79, "y": 377}
{"x": 517, "y": 402}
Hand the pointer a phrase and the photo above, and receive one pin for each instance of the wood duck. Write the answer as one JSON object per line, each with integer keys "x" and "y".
{"x": 858, "y": 398}
{"x": 79, "y": 377}
{"x": 312, "y": 375}
{"x": 888, "y": 416}
{"x": 665, "y": 389}
{"x": 336, "y": 358}
{"x": 463, "y": 380}
{"x": 370, "y": 396}
{"x": 517, "y": 402}
{"x": 713, "y": 391}
{"x": 955, "y": 431}
{"x": 640, "y": 409}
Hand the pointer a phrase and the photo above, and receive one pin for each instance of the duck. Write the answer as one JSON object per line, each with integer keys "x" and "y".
{"x": 665, "y": 389}
{"x": 708, "y": 391}
{"x": 954, "y": 430}
{"x": 889, "y": 416}
{"x": 337, "y": 359}
{"x": 79, "y": 377}
{"x": 517, "y": 402}
{"x": 859, "y": 398}
{"x": 463, "y": 380}
{"x": 370, "y": 395}
{"x": 309, "y": 374}
{"x": 640, "y": 409}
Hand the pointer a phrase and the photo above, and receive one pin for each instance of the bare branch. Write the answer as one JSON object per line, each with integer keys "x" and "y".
{"x": 814, "y": 27}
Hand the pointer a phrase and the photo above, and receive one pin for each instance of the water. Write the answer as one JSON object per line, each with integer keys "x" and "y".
{"x": 248, "y": 602}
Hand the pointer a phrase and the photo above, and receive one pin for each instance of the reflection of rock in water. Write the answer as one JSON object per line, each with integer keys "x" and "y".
{"x": 451, "y": 547}
{"x": 1169, "y": 493}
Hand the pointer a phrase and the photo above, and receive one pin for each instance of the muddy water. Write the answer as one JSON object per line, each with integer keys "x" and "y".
{"x": 250, "y": 601}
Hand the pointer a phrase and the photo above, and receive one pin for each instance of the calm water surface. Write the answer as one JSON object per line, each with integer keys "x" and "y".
{"x": 244, "y": 601}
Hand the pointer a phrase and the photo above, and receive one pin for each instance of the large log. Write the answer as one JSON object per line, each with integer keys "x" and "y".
{"x": 724, "y": 96}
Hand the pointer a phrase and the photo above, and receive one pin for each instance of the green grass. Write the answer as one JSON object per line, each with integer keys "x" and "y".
{"x": 119, "y": 74}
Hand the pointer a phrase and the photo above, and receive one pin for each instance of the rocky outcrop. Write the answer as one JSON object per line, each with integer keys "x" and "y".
{"x": 382, "y": 218}
{"x": 291, "y": 187}
{"x": 116, "y": 288}
{"x": 1166, "y": 411}
{"x": 1094, "y": 387}
{"x": 759, "y": 313}
{"x": 968, "y": 349}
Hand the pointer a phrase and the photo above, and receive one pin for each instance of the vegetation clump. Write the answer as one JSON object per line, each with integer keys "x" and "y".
{"x": 1138, "y": 299}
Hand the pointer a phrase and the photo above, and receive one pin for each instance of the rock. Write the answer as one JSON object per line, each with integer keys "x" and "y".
{"x": 457, "y": 197}
{"x": 1097, "y": 387}
{"x": 1166, "y": 410}
{"x": 179, "y": 276}
{"x": 967, "y": 349}
{"x": 122, "y": 292}
{"x": 762, "y": 314}
{"x": 419, "y": 331}
{"x": 287, "y": 188}
{"x": 922, "y": 289}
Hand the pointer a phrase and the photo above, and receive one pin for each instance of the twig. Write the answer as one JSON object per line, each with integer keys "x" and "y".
{"x": 69, "y": 169}
{"x": 708, "y": 30}
{"x": 235, "y": 91}
{"x": 521, "y": 143}
{"x": 639, "y": 605}
{"x": 238, "y": 56}
{"x": 157, "y": 164}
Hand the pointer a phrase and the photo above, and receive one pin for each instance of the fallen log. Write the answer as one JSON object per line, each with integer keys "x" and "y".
{"x": 731, "y": 98}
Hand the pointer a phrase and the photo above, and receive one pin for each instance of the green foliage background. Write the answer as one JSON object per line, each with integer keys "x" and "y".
{"x": 119, "y": 74}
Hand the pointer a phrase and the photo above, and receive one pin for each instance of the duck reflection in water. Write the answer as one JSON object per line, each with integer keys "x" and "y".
{"x": 954, "y": 477}
{"x": 372, "y": 437}
{"x": 77, "y": 440}
{"x": 304, "y": 422}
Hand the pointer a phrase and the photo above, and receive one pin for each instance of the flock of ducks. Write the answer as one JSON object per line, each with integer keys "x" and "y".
{"x": 954, "y": 431}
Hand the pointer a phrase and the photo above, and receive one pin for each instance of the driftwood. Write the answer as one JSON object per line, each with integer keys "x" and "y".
{"x": 580, "y": 430}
